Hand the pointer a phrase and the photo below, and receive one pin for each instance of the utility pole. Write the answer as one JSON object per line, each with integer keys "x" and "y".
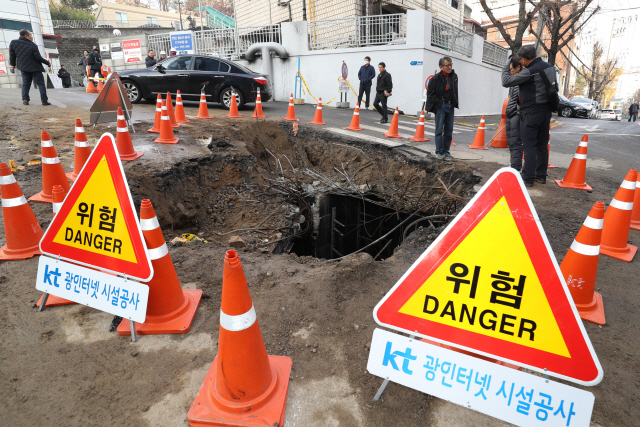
{"x": 542, "y": 14}
{"x": 304, "y": 10}
{"x": 200, "y": 9}
{"x": 180, "y": 12}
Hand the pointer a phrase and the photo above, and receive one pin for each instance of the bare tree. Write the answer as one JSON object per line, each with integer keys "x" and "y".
{"x": 524, "y": 21}
{"x": 602, "y": 74}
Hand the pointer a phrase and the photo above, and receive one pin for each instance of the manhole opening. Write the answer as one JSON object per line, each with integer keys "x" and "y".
{"x": 347, "y": 224}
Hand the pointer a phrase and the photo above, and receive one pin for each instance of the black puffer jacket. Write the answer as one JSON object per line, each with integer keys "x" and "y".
{"x": 435, "y": 92}
{"x": 513, "y": 117}
{"x": 24, "y": 54}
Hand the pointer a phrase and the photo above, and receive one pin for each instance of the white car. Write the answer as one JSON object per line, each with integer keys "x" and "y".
{"x": 611, "y": 115}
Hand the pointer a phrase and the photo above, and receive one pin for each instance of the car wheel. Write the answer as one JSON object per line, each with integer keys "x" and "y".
{"x": 566, "y": 112}
{"x": 133, "y": 91}
{"x": 225, "y": 97}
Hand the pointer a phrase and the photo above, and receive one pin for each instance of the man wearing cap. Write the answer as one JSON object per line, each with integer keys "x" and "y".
{"x": 64, "y": 76}
{"x": 173, "y": 52}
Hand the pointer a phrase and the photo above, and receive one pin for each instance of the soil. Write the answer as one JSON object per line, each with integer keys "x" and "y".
{"x": 62, "y": 366}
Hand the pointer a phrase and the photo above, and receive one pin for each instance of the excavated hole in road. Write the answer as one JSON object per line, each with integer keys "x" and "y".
{"x": 291, "y": 188}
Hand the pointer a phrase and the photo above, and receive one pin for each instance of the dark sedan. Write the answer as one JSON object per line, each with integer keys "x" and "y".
{"x": 192, "y": 74}
{"x": 572, "y": 109}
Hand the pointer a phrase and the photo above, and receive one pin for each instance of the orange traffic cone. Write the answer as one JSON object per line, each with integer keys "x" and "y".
{"x": 123, "y": 139}
{"x": 635, "y": 214}
{"x": 244, "y": 386}
{"x": 453, "y": 144}
{"x": 233, "y": 108}
{"x": 317, "y": 118}
{"x": 170, "y": 310}
{"x": 549, "y": 165}
{"x": 499, "y": 139}
{"x": 52, "y": 172}
{"x": 574, "y": 178}
{"x": 393, "y": 128}
{"x": 82, "y": 151}
{"x": 478, "y": 141}
{"x": 180, "y": 117}
{"x": 258, "y": 111}
{"x": 291, "y": 111}
{"x": 22, "y": 231}
{"x": 172, "y": 116}
{"x": 90, "y": 87}
{"x": 203, "y": 112}
{"x": 166, "y": 131}
{"x": 100, "y": 85}
{"x": 617, "y": 220}
{"x": 419, "y": 135}
{"x": 58, "y": 197}
{"x": 580, "y": 267}
{"x": 158, "y": 118}
{"x": 355, "y": 120}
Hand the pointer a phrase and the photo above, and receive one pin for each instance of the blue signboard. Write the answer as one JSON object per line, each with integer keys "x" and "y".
{"x": 182, "y": 41}
{"x": 415, "y": 63}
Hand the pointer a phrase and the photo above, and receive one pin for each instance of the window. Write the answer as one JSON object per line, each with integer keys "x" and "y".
{"x": 177, "y": 64}
{"x": 206, "y": 64}
{"x": 498, "y": 35}
{"x": 151, "y": 20}
{"x": 121, "y": 17}
{"x": 224, "y": 67}
{"x": 8, "y": 24}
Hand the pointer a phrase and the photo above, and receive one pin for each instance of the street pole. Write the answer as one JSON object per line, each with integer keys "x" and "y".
{"x": 180, "y": 12}
{"x": 611, "y": 38}
{"x": 304, "y": 10}
{"x": 200, "y": 9}
{"x": 539, "y": 29}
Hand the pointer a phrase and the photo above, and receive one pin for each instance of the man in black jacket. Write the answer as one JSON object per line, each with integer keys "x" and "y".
{"x": 24, "y": 54}
{"x": 513, "y": 119}
{"x": 95, "y": 63}
{"x": 150, "y": 60}
{"x": 535, "y": 111}
{"x": 83, "y": 61}
{"x": 633, "y": 111}
{"x": 384, "y": 85}
{"x": 64, "y": 76}
{"x": 365, "y": 75}
{"x": 442, "y": 98}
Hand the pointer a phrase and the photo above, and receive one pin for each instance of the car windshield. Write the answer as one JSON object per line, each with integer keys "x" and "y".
{"x": 582, "y": 100}
{"x": 607, "y": 111}
{"x": 177, "y": 63}
{"x": 618, "y": 111}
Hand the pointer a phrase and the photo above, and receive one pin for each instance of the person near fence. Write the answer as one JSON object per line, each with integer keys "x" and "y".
{"x": 513, "y": 119}
{"x": 173, "y": 52}
{"x": 150, "y": 60}
{"x": 384, "y": 85}
{"x": 536, "y": 84}
{"x": 365, "y": 75}
{"x": 95, "y": 64}
{"x": 163, "y": 56}
{"x": 25, "y": 56}
{"x": 442, "y": 99}
{"x": 83, "y": 61}
{"x": 64, "y": 76}
{"x": 633, "y": 111}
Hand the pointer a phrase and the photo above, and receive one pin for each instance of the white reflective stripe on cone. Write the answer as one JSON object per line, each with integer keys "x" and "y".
{"x": 589, "y": 250}
{"x": 158, "y": 109}
{"x": 356, "y": 114}
{"x": 56, "y": 207}
{"x": 165, "y": 117}
{"x": 203, "y": 100}
{"x": 120, "y": 117}
{"x": 8, "y": 179}
{"x": 258, "y": 102}
{"x": 158, "y": 252}
{"x": 420, "y": 124}
{"x": 123, "y": 129}
{"x": 290, "y": 105}
{"x": 81, "y": 143}
{"x": 239, "y": 322}
{"x": 481, "y": 128}
{"x": 625, "y": 206}
{"x": 629, "y": 185}
{"x": 583, "y": 144}
{"x": 79, "y": 129}
{"x": 593, "y": 223}
{"x": 164, "y": 107}
{"x": 50, "y": 160}
{"x": 178, "y": 103}
{"x": 46, "y": 143}
{"x": 149, "y": 224}
{"x": 580, "y": 156}
{"x": 12, "y": 203}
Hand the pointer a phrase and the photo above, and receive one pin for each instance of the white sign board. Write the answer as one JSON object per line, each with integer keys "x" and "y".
{"x": 182, "y": 42}
{"x": 3, "y": 64}
{"x": 115, "y": 295}
{"x": 504, "y": 393}
{"x": 344, "y": 86}
{"x": 116, "y": 51}
{"x": 132, "y": 51}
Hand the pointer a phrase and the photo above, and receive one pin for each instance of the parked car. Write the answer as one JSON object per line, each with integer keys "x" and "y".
{"x": 567, "y": 108}
{"x": 218, "y": 78}
{"x": 587, "y": 103}
{"x": 609, "y": 114}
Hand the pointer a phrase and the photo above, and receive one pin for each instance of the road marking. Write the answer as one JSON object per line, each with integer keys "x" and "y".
{"x": 383, "y": 141}
{"x": 609, "y": 134}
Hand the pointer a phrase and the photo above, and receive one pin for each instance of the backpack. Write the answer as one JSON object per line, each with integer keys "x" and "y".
{"x": 91, "y": 59}
{"x": 552, "y": 91}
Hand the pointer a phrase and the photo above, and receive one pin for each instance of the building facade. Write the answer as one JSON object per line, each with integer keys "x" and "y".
{"x": 114, "y": 13}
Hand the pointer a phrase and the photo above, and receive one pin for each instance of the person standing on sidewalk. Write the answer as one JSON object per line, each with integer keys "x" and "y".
{"x": 513, "y": 119}
{"x": 365, "y": 75}
{"x": 442, "y": 98}
{"x": 535, "y": 110}
{"x": 95, "y": 64}
{"x": 384, "y": 85}
{"x": 65, "y": 77}
{"x": 24, "y": 55}
{"x": 633, "y": 111}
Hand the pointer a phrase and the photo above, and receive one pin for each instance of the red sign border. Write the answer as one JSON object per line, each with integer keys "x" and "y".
{"x": 345, "y": 70}
{"x": 505, "y": 182}
{"x": 142, "y": 271}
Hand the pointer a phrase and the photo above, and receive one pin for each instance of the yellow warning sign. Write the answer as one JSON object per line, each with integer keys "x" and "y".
{"x": 474, "y": 289}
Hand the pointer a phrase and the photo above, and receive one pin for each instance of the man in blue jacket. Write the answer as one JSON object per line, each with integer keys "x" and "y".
{"x": 365, "y": 75}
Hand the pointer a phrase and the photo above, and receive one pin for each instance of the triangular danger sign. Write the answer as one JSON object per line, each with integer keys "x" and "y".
{"x": 97, "y": 225}
{"x": 490, "y": 284}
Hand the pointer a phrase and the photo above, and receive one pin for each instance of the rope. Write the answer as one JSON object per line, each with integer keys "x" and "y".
{"x": 309, "y": 91}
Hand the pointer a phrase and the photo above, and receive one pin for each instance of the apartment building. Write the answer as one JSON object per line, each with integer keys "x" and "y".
{"x": 114, "y": 13}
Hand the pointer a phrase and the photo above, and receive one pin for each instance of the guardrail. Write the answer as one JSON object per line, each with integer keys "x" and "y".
{"x": 358, "y": 31}
{"x": 494, "y": 54}
{"x": 113, "y": 24}
{"x": 449, "y": 37}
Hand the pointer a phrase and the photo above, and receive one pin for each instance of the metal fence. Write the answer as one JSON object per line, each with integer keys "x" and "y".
{"x": 494, "y": 54}
{"x": 358, "y": 31}
{"x": 449, "y": 37}
{"x": 113, "y": 24}
{"x": 158, "y": 43}
{"x": 219, "y": 42}
{"x": 259, "y": 34}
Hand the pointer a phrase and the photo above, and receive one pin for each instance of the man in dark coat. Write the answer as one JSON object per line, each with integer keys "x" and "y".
{"x": 64, "y": 76}
{"x": 83, "y": 61}
{"x": 384, "y": 85}
{"x": 633, "y": 111}
{"x": 442, "y": 98}
{"x": 513, "y": 119}
{"x": 150, "y": 60}
{"x": 365, "y": 75}
{"x": 24, "y": 54}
